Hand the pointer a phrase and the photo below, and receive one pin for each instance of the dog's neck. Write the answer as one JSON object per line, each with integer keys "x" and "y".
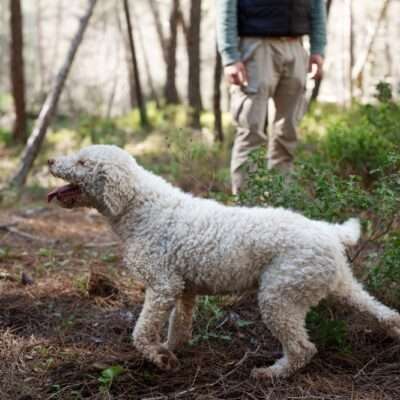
{"x": 153, "y": 195}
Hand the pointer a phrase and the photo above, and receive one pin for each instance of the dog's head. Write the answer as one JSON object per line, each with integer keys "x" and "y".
{"x": 99, "y": 176}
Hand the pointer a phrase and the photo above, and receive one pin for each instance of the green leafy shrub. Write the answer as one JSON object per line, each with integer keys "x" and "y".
{"x": 350, "y": 169}
{"x": 313, "y": 189}
{"x": 326, "y": 331}
{"x": 5, "y": 137}
{"x": 384, "y": 276}
{"x": 195, "y": 163}
{"x": 358, "y": 149}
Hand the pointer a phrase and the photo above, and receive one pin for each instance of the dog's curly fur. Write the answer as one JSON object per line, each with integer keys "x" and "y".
{"x": 180, "y": 246}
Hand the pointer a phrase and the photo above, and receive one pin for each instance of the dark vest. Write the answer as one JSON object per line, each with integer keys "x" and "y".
{"x": 274, "y": 17}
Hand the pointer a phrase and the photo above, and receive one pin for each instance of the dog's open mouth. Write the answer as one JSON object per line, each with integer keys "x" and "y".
{"x": 67, "y": 193}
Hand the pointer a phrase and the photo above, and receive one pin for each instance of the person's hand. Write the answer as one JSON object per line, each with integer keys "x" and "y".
{"x": 236, "y": 74}
{"x": 318, "y": 61}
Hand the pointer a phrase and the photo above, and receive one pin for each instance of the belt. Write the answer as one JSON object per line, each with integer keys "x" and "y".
{"x": 285, "y": 38}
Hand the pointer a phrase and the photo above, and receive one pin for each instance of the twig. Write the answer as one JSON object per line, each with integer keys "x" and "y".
{"x": 26, "y": 235}
{"x": 222, "y": 377}
{"x": 362, "y": 369}
{"x": 105, "y": 244}
{"x": 5, "y": 227}
{"x": 375, "y": 236}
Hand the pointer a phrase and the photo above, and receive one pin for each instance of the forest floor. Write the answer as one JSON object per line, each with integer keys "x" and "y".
{"x": 68, "y": 306}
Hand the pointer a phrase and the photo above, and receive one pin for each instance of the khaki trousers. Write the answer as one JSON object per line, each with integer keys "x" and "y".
{"x": 277, "y": 69}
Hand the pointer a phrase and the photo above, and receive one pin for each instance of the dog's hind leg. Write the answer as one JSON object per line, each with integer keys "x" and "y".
{"x": 288, "y": 288}
{"x": 286, "y": 323}
{"x": 285, "y": 318}
{"x": 351, "y": 292}
{"x": 180, "y": 321}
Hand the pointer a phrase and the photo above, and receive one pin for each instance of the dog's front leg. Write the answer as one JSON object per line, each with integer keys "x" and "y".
{"x": 146, "y": 335}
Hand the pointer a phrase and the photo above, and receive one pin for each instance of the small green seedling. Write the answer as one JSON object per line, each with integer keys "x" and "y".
{"x": 108, "y": 375}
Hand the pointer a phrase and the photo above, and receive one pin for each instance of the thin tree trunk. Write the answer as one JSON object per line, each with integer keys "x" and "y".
{"x": 17, "y": 71}
{"x": 194, "y": 64}
{"x": 128, "y": 63}
{"x": 185, "y": 29}
{"x": 364, "y": 55}
{"x": 56, "y": 50}
{"x": 4, "y": 47}
{"x": 351, "y": 49}
{"x": 139, "y": 93}
{"x": 42, "y": 70}
{"x": 170, "y": 91}
{"x": 149, "y": 77}
{"x": 388, "y": 48}
{"x": 110, "y": 102}
{"x": 317, "y": 83}
{"x": 49, "y": 107}
{"x": 218, "y": 129}
{"x": 160, "y": 32}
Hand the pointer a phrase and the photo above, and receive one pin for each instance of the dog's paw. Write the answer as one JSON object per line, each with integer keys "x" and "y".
{"x": 164, "y": 359}
{"x": 262, "y": 374}
{"x": 393, "y": 326}
{"x": 269, "y": 373}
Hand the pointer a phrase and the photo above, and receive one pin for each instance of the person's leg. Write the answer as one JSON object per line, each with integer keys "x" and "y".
{"x": 246, "y": 140}
{"x": 289, "y": 100}
{"x": 249, "y": 109}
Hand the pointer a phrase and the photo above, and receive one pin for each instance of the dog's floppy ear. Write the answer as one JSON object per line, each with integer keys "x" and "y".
{"x": 117, "y": 190}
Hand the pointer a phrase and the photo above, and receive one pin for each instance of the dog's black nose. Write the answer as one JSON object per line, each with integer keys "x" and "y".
{"x": 50, "y": 162}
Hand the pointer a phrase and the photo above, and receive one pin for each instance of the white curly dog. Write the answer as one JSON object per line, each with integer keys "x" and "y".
{"x": 180, "y": 246}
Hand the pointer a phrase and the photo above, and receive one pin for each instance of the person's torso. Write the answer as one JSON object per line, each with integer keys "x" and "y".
{"x": 274, "y": 17}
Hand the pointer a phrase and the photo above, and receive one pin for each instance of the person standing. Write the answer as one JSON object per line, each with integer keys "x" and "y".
{"x": 262, "y": 51}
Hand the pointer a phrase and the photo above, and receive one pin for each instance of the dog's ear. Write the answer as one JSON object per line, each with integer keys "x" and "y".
{"x": 117, "y": 190}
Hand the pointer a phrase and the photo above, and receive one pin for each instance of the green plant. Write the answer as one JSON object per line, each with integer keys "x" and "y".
{"x": 356, "y": 149}
{"x": 326, "y": 331}
{"x": 313, "y": 189}
{"x": 109, "y": 258}
{"x": 6, "y": 137}
{"x": 209, "y": 310}
{"x": 102, "y": 131}
{"x": 196, "y": 162}
{"x": 384, "y": 275}
{"x": 109, "y": 375}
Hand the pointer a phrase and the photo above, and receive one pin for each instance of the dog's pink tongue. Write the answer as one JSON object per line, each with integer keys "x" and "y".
{"x": 63, "y": 191}
{"x": 51, "y": 195}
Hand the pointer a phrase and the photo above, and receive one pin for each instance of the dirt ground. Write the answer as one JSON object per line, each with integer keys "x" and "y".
{"x": 67, "y": 308}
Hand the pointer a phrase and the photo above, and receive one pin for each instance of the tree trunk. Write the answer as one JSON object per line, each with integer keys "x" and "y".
{"x": 317, "y": 84}
{"x": 49, "y": 107}
{"x": 138, "y": 88}
{"x": 351, "y": 50}
{"x": 182, "y": 23}
{"x": 40, "y": 54}
{"x": 128, "y": 63}
{"x": 364, "y": 55}
{"x": 17, "y": 71}
{"x": 55, "y": 56}
{"x": 218, "y": 129}
{"x": 170, "y": 91}
{"x": 160, "y": 32}
{"x": 194, "y": 94}
{"x": 149, "y": 78}
{"x": 388, "y": 50}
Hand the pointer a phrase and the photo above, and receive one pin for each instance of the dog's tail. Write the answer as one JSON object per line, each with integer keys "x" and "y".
{"x": 349, "y": 232}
